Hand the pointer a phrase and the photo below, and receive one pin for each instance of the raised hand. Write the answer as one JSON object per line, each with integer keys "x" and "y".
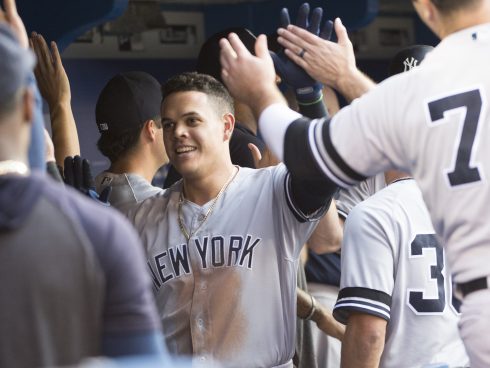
{"x": 307, "y": 89}
{"x": 50, "y": 74}
{"x": 54, "y": 86}
{"x": 331, "y": 63}
{"x": 238, "y": 65}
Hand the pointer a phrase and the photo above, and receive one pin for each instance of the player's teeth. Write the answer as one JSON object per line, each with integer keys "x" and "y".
{"x": 185, "y": 149}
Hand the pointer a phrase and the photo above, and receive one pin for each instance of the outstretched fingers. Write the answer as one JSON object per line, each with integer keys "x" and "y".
{"x": 257, "y": 156}
{"x": 55, "y": 53}
{"x": 341, "y": 32}
{"x": 227, "y": 56}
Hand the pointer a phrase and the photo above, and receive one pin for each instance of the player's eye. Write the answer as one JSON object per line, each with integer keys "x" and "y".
{"x": 191, "y": 120}
{"x": 168, "y": 125}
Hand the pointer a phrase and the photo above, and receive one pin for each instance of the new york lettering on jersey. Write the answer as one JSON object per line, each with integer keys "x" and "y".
{"x": 214, "y": 252}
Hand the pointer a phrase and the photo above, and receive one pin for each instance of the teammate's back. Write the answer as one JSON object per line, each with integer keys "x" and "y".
{"x": 438, "y": 114}
{"x": 63, "y": 279}
{"x": 393, "y": 268}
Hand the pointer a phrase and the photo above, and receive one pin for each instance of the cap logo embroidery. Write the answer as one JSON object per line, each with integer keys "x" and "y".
{"x": 103, "y": 127}
{"x": 410, "y": 63}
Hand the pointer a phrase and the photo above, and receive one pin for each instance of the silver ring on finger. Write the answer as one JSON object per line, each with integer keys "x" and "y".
{"x": 302, "y": 53}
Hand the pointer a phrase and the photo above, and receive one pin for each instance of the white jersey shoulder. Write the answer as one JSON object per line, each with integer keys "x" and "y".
{"x": 394, "y": 268}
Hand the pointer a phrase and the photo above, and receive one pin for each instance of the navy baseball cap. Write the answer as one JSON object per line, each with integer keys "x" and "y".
{"x": 16, "y": 63}
{"x": 208, "y": 59}
{"x": 408, "y": 58}
{"x": 126, "y": 102}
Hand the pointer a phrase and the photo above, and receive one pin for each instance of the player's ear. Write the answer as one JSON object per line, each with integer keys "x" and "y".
{"x": 150, "y": 129}
{"x": 229, "y": 122}
{"x": 426, "y": 10}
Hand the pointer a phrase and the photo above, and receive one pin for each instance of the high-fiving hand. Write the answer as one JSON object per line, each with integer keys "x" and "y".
{"x": 50, "y": 74}
{"x": 306, "y": 88}
{"x": 250, "y": 79}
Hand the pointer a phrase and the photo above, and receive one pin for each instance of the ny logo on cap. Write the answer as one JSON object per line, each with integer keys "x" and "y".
{"x": 103, "y": 127}
{"x": 410, "y": 63}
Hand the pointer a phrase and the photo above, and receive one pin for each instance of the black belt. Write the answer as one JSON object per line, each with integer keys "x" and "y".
{"x": 473, "y": 285}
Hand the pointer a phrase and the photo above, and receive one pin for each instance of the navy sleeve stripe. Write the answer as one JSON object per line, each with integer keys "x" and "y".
{"x": 329, "y": 152}
{"x": 316, "y": 149}
{"x": 372, "y": 295}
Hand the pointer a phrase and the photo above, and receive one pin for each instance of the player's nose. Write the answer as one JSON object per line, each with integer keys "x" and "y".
{"x": 180, "y": 130}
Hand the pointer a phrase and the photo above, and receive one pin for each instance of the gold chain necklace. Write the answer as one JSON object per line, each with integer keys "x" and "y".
{"x": 183, "y": 230}
{"x": 13, "y": 167}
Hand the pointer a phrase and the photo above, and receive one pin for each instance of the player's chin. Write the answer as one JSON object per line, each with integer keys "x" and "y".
{"x": 185, "y": 167}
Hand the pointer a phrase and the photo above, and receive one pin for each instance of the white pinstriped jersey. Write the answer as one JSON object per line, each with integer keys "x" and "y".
{"x": 230, "y": 292}
{"x": 432, "y": 122}
{"x": 393, "y": 268}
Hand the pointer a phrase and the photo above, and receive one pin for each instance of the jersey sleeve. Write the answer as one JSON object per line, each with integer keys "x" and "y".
{"x": 294, "y": 226}
{"x": 364, "y": 138}
{"x": 367, "y": 279}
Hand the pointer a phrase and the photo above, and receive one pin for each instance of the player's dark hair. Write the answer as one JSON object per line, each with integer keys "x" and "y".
{"x": 448, "y": 6}
{"x": 204, "y": 83}
{"x": 116, "y": 147}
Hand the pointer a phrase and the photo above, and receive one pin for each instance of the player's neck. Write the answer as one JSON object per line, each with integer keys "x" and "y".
{"x": 10, "y": 150}
{"x": 201, "y": 190}
{"x": 134, "y": 164}
{"x": 393, "y": 175}
{"x": 464, "y": 19}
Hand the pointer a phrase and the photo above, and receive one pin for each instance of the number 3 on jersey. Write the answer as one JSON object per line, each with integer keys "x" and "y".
{"x": 462, "y": 172}
{"x": 416, "y": 300}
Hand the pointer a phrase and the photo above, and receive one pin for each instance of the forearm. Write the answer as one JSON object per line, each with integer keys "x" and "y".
{"x": 354, "y": 84}
{"x": 266, "y": 99}
{"x": 327, "y": 237}
{"x": 309, "y": 308}
{"x": 64, "y": 132}
{"x": 362, "y": 346}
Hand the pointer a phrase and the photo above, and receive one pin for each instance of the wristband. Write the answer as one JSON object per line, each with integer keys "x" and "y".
{"x": 312, "y": 310}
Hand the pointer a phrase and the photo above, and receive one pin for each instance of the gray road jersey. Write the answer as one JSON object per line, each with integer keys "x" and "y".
{"x": 230, "y": 292}
{"x": 127, "y": 189}
{"x": 394, "y": 268}
{"x": 347, "y": 198}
